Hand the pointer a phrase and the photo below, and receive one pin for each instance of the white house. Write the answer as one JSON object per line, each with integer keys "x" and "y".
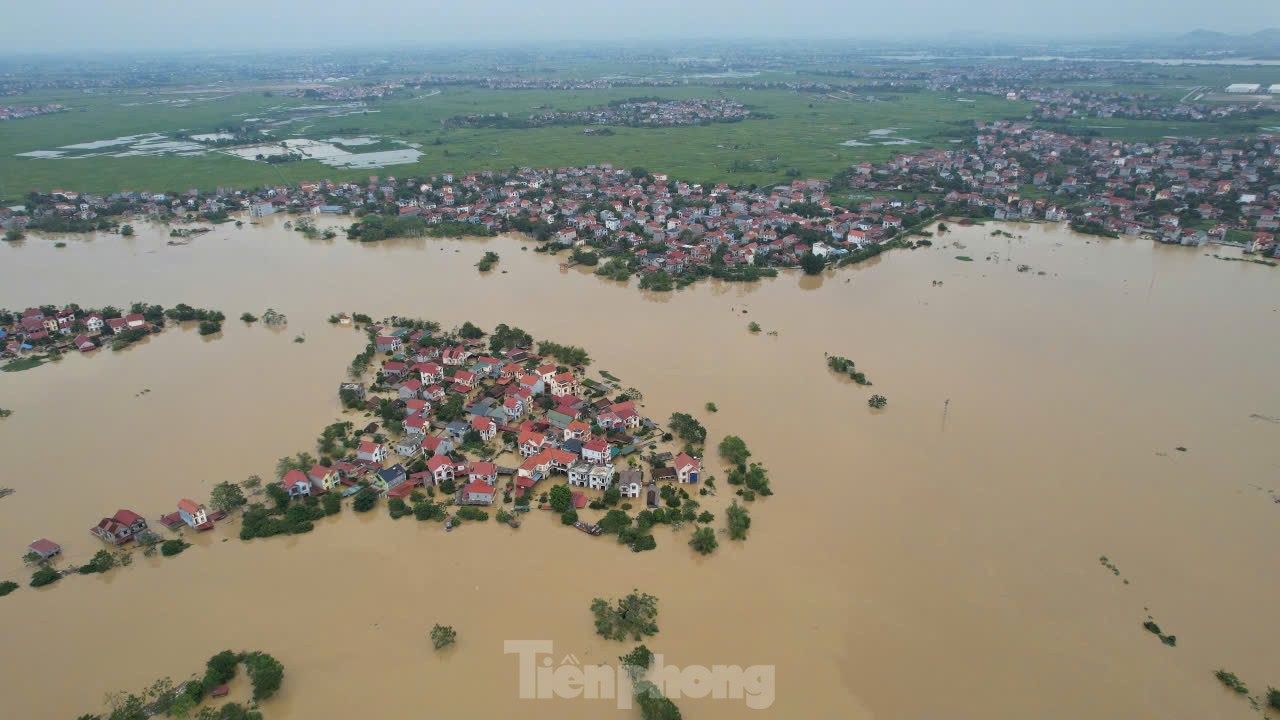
{"x": 595, "y": 477}
{"x": 371, "y": 452}
{"x": 687, "y": 468}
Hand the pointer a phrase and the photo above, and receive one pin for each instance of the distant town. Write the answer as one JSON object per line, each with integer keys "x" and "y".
{"x": 1176, "y": 190}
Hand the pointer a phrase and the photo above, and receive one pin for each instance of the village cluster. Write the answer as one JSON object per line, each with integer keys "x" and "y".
{"x": 34, "y": 327}
{"x": 457, "y": 409}
{"x": 16, "y": 112}
{"x": 458, "y": 397}
{"x": 637, "y": 112}
{"x": 42, "y": 329}
{"x": 1179, "y": 190}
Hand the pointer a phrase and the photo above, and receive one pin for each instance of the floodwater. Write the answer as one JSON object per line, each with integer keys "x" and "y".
{"x": 937, "y": 559}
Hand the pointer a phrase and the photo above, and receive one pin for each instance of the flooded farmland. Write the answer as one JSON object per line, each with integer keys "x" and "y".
{"x": 939, "y": 558}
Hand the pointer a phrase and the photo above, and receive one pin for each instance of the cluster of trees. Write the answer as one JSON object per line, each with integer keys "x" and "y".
{"x": 633, "y": 616}
{"x": 616, "y": 268}
{"x": 488, "y": 261}
{"x": 374, "y": 227}
{"x": 687, "y": 428}
{"x": 505, "y": 337}
{"x": 287, "y": 518}
{"x": 163, "y": 697}
{"x": 754, "y": 477}
{"x": 104, "y": 560}
{"x": 584, "y": 257}
{"x": 658, "y": 281}
{"x": 566, "y": 354}
{"x": 845, "y": 366}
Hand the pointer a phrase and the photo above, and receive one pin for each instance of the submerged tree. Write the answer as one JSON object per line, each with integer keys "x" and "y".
{"x": 442, "y": 636}
{"x": 633, "y": 616}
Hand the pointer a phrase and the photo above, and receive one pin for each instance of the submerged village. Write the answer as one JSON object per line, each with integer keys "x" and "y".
{"x": 448, "y": 426}
{"x": 1188, "y": 191}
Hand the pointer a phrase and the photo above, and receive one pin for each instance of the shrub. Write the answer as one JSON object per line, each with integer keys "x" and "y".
{"x": 7, "y": 587}
{"x": 442, "y": 636}
{"x": 1231, "y": 681}
{"x": 44, "y": 576}
{"x": 169, "y": 548}
{"x": 704, "y": 540}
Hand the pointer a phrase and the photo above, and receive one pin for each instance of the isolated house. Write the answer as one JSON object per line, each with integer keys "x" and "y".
{"x": 119, "y": 528}
{"x": 45, "y": 548}
{"x": 194, "y": 514}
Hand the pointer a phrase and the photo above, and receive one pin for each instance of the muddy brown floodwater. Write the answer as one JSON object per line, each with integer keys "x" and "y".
{"x": 939, "y": 559}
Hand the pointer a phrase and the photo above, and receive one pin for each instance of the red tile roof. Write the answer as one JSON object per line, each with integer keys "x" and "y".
{"x": 128, "y": 517}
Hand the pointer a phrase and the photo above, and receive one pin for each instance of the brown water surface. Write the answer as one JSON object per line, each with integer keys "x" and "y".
{"x": 936, "y": 559}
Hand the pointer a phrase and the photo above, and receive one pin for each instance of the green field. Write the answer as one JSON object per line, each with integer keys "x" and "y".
{"x": 802, "y": 134}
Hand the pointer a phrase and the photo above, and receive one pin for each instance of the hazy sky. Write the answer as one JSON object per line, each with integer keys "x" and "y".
{"x": 68, "y": 25}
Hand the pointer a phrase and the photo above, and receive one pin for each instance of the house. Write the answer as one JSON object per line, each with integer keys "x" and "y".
{"x": 392, "y": 477}
{"x": 596, "y": 477}
{"x": 387, "y": 343}
{"x": 323, "y": 479}
{"x": 576, "y": 430}
{"x": 485, "y": 426}
{"x": 371, "y": 452}
{"x": 512, "y": 406}
{"x": 430, "y": 373}
{"x": 194, "y": 514}
{"x": 408, "y": 445}
{"x": 94, "y": 323}
{"x": 564, "y": 384}
{"x": 485, "y": 471}
{"x": 45, "y": 548}
{"x": 296, "y": 483}
{"x": 687, "y": 468}
{"x": 630, "y": 483}
{"x": 119, "y": 528}
{"x": 546, "y": 372}
{"x": 596, "y": 451}
{"x": 443, "y": 468}
{"x": 84, "y": 344}
{"x": 530, "y": 443}
{"x": 410, "y": 389}
{"x": 477, "y": 493}
{"x": 437, "y": 445}
{"x": 415, "y": 425}
{"x": 457, "y": 430}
